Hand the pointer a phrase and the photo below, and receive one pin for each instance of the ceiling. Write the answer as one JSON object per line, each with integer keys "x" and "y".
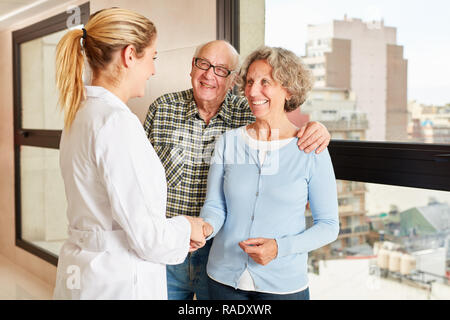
{"x": 14, "y": 11}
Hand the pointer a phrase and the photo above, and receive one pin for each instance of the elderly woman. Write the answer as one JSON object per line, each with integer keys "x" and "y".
{"x": 258, "y": 186}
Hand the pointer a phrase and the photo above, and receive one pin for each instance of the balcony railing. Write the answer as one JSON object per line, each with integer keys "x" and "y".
{"x": 352, "y": 213}
{"x": 343, "y": 125}
{"x": 364, "y": 228}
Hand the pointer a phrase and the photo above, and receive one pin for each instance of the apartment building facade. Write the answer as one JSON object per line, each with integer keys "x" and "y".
{"x": 366, "y": 59}
{"x": 428, "y": 123}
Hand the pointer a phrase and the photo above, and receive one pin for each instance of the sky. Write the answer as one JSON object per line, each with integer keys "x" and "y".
{"x": 423, "y": 29}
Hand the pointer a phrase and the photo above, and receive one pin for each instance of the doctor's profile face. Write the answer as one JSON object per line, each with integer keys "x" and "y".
{"x": 143, "y": 69}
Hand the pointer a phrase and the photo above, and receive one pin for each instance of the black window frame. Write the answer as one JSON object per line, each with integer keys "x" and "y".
{"x": 33, "y": 137}
{"x": 417, "y": 165}
{"x": 227, "y": 17}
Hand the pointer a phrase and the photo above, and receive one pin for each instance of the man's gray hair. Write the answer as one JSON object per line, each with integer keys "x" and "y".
{"x": 235, "y": 54}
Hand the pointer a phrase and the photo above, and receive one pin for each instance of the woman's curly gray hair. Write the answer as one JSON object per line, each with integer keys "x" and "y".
{"x": 287, "y": 69}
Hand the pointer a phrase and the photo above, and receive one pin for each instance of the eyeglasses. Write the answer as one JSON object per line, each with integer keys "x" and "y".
{"x": 205, "y": 65}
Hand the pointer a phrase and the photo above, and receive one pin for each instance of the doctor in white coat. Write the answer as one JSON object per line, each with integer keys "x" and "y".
{"x": 119, "y": 238}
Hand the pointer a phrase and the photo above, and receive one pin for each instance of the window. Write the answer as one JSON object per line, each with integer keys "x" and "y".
{"x": 41, "y": 223}
{"x": 391, "y": 159}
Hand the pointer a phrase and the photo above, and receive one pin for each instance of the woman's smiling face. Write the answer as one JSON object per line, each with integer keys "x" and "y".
{"x": 266, "y": 97}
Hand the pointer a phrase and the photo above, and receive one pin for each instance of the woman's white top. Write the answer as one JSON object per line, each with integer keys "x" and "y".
{"x": 119, "y": 237}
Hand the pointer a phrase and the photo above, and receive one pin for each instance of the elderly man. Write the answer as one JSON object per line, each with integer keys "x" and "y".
{"x": 182, "y": 128}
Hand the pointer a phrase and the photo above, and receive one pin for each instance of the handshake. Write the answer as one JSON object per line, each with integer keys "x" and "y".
{"x": 200, "y": 230}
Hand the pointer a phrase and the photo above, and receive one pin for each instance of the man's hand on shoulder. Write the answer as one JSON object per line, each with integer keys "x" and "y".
{"x": 313, "y": 135}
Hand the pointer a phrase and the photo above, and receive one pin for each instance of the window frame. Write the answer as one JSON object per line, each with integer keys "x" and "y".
{"x": 416, "y": 165}
{"x": 33, "y": 137}
{"x": 227, "y": 17}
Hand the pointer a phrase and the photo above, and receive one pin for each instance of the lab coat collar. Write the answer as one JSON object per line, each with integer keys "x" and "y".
{"x": 100, "y": 92}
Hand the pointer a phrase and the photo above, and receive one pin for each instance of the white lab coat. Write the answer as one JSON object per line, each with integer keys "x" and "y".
{"x": 119, "y": 237}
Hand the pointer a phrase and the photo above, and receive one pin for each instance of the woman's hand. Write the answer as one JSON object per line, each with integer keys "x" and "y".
{"x": 261, "y": 250}
{"x": 207, "y": 229}
{"x": 313, "y": 135}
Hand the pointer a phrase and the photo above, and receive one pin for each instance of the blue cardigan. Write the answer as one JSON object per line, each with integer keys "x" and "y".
{"x": 245, "y": 200}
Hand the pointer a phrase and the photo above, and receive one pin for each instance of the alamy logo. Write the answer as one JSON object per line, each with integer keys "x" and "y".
{"x": 196, "y": 146}
{"x": 74, "y": 280}
{"x": 242, "y": 149}
{"x": 75, "y": 17}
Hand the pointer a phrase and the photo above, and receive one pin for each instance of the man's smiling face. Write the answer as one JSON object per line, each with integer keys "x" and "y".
{"x": 210, "y": 88}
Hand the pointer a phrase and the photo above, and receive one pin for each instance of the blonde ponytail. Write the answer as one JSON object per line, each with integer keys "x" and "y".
{"x": 69, "y": 74}
{"x": 106, "y": 31}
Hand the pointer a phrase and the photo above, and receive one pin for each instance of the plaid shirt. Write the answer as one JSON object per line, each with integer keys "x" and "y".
{"x": 184, "y": 143}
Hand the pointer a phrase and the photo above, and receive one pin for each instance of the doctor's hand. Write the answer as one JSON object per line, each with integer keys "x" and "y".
{"x": 197, "y": 237}
{"x": 261, "y": 250}
{"x": 313, "y": 135}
